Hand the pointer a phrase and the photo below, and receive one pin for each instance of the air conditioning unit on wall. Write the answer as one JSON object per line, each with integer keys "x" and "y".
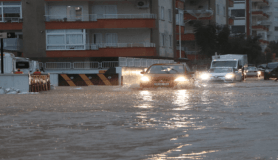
{"x": 142, "y": 4}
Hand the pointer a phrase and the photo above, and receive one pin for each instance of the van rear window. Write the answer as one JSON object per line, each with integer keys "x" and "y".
{"x": 22, "y": 65}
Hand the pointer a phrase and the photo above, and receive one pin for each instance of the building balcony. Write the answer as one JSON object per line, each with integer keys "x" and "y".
{"x": 178, "y": 29}
{"x": 13, "y": 44}
{"x": 261, "y": 2}
{"x": 231, "y": 3}
{"x": 198, "y": 14}
{"x": 11, "y": 23}
{"x": 103, "y": 50}
{"x": 180, "y": 4}
{"x": 94, "y": 21}
{"x": 259, "y": 13}
{"x": 186, "y": 37}
{"x": 231, "y": 20}
{"x": 260, "y": 28}
{"x": 263, "y": 41}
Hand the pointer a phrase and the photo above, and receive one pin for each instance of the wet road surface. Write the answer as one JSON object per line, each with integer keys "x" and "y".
{"x": 209, "y": 121}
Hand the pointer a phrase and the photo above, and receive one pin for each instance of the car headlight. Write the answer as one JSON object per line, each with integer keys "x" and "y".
{"x": 145, "y": 79}
{"x": 180, "y": 79}
{"x": 205, "y": 76}
{"x": 229, "y": 76}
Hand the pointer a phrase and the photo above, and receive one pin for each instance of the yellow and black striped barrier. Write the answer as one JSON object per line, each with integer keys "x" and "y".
{"x": 88, "y": 79}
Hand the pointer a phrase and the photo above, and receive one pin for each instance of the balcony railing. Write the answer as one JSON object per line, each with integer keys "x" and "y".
{"x": 259, "y": 12}
{"x": 13, "y": 44}
{"x": 98, "y": 46}
{"x": 95, "y": 17}
{"x": 11, "y": 19}
{"x": 197, "y": 14}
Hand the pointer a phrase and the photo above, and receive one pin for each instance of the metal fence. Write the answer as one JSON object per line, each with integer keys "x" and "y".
{"x": 123, "y": 62}
{"x": 11, "y": 19}
{"x": 95, "y": 17}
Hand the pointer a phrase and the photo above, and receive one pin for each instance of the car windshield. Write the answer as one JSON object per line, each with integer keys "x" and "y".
{"x": 272, "y": 65}
{"x": 224, "y": 63}
{"x": 220, "y": 70}
{"x": 251, "y": 68}
{"x": 166, "y": 69}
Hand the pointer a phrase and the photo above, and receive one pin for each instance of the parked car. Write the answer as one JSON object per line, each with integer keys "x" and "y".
{"x": 271, "y": 70}
{"x": 165, "y": 75}
{"x": 252, "y": 72}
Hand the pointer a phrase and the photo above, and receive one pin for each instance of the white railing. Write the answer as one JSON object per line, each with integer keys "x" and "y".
{"x": 13, "y": 44}
{"x": 11, "y": 19}
{"x": 108, "y": 64}
{"x": 123, "y": 62}
{"x": 57, "y": 65}
{"x": 85, "y": 65}
{"x": 95, "y": 17}
{"x": 118, "y": 45}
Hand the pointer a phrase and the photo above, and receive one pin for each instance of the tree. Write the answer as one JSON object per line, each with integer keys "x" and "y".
{"x": 273, "y": 46}
{"x": 213, "y": 38}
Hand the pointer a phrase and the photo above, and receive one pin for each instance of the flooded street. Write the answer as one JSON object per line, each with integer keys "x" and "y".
{"x": 209, "y": 121}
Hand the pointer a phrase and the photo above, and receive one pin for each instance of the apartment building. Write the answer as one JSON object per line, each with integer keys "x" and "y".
{"x": 84, "y": 30}
{"x": 254, "y": 17}
{"x": 207, "y": 11}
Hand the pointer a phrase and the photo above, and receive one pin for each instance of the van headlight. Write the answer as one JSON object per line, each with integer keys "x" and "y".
{"x": 145, "y": 79}
{"x": 229, "y": 76}
{"x": 205, "y": 76}
{"x": 180, "y": 79}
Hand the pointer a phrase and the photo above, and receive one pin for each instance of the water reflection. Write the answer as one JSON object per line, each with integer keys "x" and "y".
{"x": 181, "y": 100}
{"x": 146, "y": 97}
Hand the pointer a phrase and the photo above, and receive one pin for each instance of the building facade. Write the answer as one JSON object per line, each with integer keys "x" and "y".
{"x": 75, "y": 30}
{"x": 207, "y": 11}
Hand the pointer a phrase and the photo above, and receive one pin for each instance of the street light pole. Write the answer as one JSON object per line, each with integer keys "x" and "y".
{"x": 180, "y": 32}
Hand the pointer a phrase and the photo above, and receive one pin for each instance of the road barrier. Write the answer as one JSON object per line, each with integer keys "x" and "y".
{"x": 39, "y": 83}
{"x": 88, "y": 79}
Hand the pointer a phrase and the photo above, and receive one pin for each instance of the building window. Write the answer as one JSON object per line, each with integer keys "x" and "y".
{"x": 170, "y": 41}
{"x": 275, "y": 8}
{"x": 238, "y": 12}
{"x": 217, "y": 9}
{"x": 276, "y": 28}
{"x": 275, "y": 0}
{"x": 238, "y": 29}
{"x": 162, "y": 40}
{"x": 276, "y": 38}
{"x": 224, "y": 11}
{"x": 10, "y": 11}
{"x": 70, "y": 39}
{"x": 162, "y": 13}
{"x": 276, "y": 19}
{"x": 170, "y": 15}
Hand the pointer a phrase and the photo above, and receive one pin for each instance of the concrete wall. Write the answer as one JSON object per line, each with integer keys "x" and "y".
{"x": 273, "y": 13}
{"x": 33, "y": 28}
{"x": 16, "y": 81}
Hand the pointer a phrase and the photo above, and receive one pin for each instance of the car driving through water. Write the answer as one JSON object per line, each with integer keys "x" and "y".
{"x": 227, "y": 74}
{"x": 270, "y": 71}
{"x": 166, "y": 75}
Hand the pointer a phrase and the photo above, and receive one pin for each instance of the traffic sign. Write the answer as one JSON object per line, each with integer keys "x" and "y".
{"x": 3, "y": 35}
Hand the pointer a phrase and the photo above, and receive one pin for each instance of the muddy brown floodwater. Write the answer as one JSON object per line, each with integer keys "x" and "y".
{"x": 208, "y": 121}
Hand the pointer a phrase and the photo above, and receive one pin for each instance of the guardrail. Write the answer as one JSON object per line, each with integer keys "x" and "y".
{"x": 95, "y": 17}
{"x": 123, "y": 62}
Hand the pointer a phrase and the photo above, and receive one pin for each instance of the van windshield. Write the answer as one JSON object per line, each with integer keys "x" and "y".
{"x": 224, "y": 64}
